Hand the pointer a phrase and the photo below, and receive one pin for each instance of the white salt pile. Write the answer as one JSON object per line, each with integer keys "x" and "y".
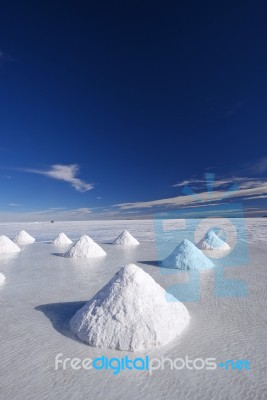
{"x": 130, "y": 313}
{"x": 187, "y": 256}
{"x": 213, "y": 242}
{"x": 7, "y": 246}
{"x": 23, "y": 238}
{"x": 2, "y": 278}
{"x": 126, "y": 239}
{"x": 62, "y": 240}
{"x": 85, "y": 248}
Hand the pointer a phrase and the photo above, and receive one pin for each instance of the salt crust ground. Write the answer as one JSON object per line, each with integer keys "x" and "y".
{"x": 42, "y": 292}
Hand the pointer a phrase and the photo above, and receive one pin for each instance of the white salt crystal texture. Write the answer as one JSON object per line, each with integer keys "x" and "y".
{"x": 126, "y": 239}
{"x": 23, "y": 238}
{"x": 85, "y": 248}
{"x": 130, "y": 313}
{"x": 186, "y": 256}
{"x": 7, "y": 246}
{"x": 62, "y": 240}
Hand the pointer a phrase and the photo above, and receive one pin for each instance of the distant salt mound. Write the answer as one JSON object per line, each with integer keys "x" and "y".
{"x": 213, "y": 242}
{"x": 126, "y": 239}
{"x": 7, "y": 246}
{"x": 2, "y": 278}
{"x": 187, "y": 256}
{"x": 62, "y": 240}
{"x": 23, "y": 238}
{"x": 130, "y": 313}
{"x": 85, "y": 248}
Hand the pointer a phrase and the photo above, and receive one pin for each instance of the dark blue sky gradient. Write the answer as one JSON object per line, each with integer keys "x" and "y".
{"x": 140, "y": 94}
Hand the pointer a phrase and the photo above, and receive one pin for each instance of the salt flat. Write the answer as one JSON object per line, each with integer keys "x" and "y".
{"x": 43, "y": 290}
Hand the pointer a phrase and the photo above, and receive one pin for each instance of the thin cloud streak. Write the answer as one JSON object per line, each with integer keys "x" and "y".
{"x": 251, "y": 189}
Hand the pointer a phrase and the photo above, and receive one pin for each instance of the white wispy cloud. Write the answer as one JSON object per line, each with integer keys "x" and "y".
{"x": 187, "y": 182}
{"x": 66, "y": 173}
{"x": 14, "y": 205}
{"x": 263, "y": 196}
{"x": 200, "y": 183}
{"x": 247, "y": 189}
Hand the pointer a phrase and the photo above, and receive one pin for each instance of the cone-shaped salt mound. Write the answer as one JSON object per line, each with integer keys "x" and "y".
{"x": 2, "y": 278}
{"x": 23, "y": 238}
{"x": 7, "y": 246}
{"x": 213, "y": 242}
{"x": 187, "y": 256}
{"x": 130, "y": 313}
{"x": 62, "y": 240}
{"x": 85, "y": 248}
{"x": 126, "y": 239}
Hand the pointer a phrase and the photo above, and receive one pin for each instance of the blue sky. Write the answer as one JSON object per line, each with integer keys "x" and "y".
{"x": 109, "y": 109}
